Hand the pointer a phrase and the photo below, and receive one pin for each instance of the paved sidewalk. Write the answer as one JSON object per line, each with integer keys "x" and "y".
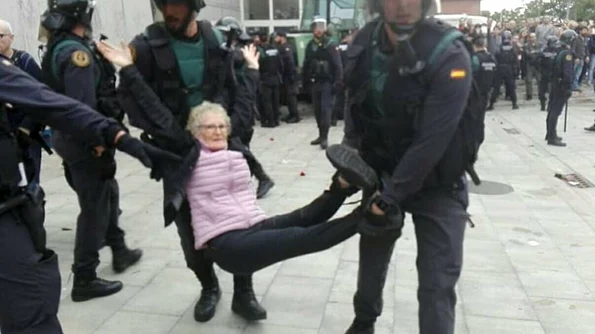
{"x": 528, "y": 262}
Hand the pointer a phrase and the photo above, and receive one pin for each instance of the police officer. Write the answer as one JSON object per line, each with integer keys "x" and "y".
{"x": 182, "y": 60}
{"x": 71, "y": 67}
{"x": 290, "y": 83}
{"x": 531, "y": 54}
{"x": 271, "y": 68}
{"x": 30, "y": 282}
{"x": 393, "y": 75}
{"x": 484, "y": 63}
{"x": 323, "y": 73}
{"x": 341, "y": 93}
{"x": 546, "y": 65}
{"x": 562, "y": 79}
{"x": 507, "y": 67}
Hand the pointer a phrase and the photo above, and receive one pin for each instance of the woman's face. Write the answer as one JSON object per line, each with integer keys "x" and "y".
{"x": 213, "y": 132}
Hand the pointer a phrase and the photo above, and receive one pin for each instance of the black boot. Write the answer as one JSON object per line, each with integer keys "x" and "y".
{"x": 352, "y": 167}
{"x": 205, "y": 307}
{"x": 293, "y": 119}
{"x": 123, "y": 258}
{"x": 542, "y": 105}
{"x": 324, "y": 139}
{"x": 86, "y": 289}
{"x": 316, "y": 141}
{"x": 556, "y": 142}
{"x": 244, "y": 301}
{"x": 265, "y": 184}
{"x": 360, "y": 328}
{"x": 490, "y": 107}
{"x": 515, "y": 106}
{"x": 591, "y": 128}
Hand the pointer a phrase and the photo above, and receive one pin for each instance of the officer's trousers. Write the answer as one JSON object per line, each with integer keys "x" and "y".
{"x": 271, "y": 100}
{"x": 339, "y": 107}
{"x": 197, "y": 260}
{"x": 531, "y": 75}
{"x": 544, "y": 88}
{"x": 440, "y": 218}
{"x": 290, "y": 92}
{"x": 322, "y": 98}
{"x": 507, "y": 78}
{"x": 30, "y": 282}
{"x": 558, "y": 99}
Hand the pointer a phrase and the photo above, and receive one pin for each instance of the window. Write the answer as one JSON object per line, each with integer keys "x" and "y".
{"x": 257, "y": 30}
{"x": 286, "y": 9}
{"x": 256, "y": 10}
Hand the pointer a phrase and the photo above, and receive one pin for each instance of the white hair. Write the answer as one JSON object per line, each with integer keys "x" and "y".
{"x": 7, "y": 27}
{"x": 197, "y": 114}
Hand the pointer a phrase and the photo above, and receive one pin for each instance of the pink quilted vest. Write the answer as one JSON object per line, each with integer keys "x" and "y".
{"x": 221, "y": 196}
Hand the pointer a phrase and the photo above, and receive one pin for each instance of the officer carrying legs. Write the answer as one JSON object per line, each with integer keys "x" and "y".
{"x": 402, "y": 65}
{"x": 72, "y": 67}
{"x": 323, "y": 73}
{"x": 563, "y": 76}
{"x": 507, "y": 66}
{"x": 546, "y": 65}
{"x": 30, "y": 281}
{"x": 183, "y": 61}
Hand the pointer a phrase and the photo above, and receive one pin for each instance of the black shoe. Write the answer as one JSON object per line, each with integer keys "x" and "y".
{"x": 83, "y": 290}
{"x": 316, "y": 141}
{"x": 205, "y": 307}
{"x": 293, "y": 119}
{"x": 245, "y": 305}
{"x": 360, "y": 328}
{"x": 490, "y": 107}
{"x": 591, "y": 128}
{"x": 556, "y": 142}
{"x": 125, "y": 258}
{"x": 557, "y": 138}
{"x": 542, "y": 105}
{"x": 324, "y": 144}
{"x": 264, "y": 185}
{"x": 266, "y": 125}
{"x": 529, "y": 97}
{"x": 351, "y": 166}
{"x": 515, "y": 106}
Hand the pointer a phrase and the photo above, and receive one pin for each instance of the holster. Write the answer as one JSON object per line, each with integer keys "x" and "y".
{"x": 32, "y": 212}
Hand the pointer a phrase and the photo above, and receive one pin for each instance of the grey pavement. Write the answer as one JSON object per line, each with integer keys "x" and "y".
{"x": 528, "y": 265}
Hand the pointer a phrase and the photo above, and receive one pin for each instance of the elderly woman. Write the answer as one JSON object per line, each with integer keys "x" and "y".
{"x": 225, "y": 217}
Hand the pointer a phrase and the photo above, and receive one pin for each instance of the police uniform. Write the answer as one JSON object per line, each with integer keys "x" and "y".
{"x": 507, "y": 67}
{"x": 385, "y": 98}
{"x": 341, "y": 93}
{"x": 290, "y": 84}
{"x": 183, "y": 72}
{"x": 322, "y": 72}
{"x": 71, "y": 67}
{"x": 546, "y": 64}
{"x": 484, "y": 72}
{"x": 561, "y": 91}
{"x": 30, "y": 283}
{"x": 531, "y": 55}
{"x": 271, "y": 69}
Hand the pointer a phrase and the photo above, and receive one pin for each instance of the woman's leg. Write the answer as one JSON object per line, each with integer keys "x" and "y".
{"x": 247, "y": 251}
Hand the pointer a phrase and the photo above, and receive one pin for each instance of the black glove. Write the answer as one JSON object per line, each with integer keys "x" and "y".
{"x": 388, "y": 224}
{"x": 147, "y": 154}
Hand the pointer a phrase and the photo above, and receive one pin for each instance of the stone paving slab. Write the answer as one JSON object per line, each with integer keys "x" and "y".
{"x": 528, "y": 262}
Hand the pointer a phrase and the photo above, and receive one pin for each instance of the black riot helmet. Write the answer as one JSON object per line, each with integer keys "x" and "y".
{"x": 195, "y": 5}
{"x": 403, "y": 30}
{"x": 568, "y": 37}
{"x": 479, "y": 34}
{"x": 506, "y": 37}
{"x": 552, "y": 41}
{"x": 66, "y": 14}
{"x": 231, "y": 29}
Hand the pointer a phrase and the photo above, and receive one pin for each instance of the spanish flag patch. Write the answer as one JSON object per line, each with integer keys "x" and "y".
{"x": 458, "y": 74}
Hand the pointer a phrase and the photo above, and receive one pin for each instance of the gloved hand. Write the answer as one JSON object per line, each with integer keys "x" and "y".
{"x": 147, "y": 154}
{"x": 389, "y": 224}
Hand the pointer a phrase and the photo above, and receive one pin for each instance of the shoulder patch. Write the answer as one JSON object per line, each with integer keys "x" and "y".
{"x": 569, "y": 57}
{"x": 458, "y": 73}
{"x": 80, "y": 58}
{"x": 6, "y": 62}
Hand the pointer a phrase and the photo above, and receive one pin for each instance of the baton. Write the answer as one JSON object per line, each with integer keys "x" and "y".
{"x": 565, "y": 116}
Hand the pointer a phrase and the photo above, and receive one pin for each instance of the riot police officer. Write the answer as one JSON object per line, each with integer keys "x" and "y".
{"x": 561, "y": 90}
{"x": 531, "y": 56}
{"x": 190, "y": 68}
{"x": 507, "y": 66}
{"x": 71, "y": 67}
{"x": 271, "y": 68}
{"x": 484, "y": 63}
{"x": 322, "y": 72}
{"x": 290, "y": 83}
{"x": 546, "y": 65}
{"x": 390, "y": 83}
{"x": 30, "y": 283}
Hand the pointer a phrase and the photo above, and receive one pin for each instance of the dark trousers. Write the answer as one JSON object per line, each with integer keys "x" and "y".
{"x": 531, "y": 74}
{"x": 30, "y": 282}
{"x": 99, "y": 197}
{"x": 559, "y": 97}
{"x": 290, "y": 93}
{"x": 440, "y": 217}
{"x": 508, "y": 79}
{"x": 197, "y": 260}
{"x": 339, "y": 107}
{"x": 282, "y": 237}
{"x": 322, "y": 98}
{"x": 35, "y": 154}
{"x": 544, "y": 88}
{"x": 271, "y": 100}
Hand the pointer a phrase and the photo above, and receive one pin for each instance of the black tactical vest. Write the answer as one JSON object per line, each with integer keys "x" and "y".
{"x": 546, "y": 62}
{"x": 321, "y": 67}
{"x": 167, "y": 81}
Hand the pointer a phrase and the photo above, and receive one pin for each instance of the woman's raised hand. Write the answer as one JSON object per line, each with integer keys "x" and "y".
{"x": 251, "y": 56}
{"x": 118, "y": 56}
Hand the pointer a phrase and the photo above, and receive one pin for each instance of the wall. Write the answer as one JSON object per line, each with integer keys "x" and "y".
{"x": 470, "y": 7}
{"x": 120, "y": 20}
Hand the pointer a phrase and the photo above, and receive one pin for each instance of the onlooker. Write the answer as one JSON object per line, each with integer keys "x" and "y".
{"x": 580, "y": 54}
